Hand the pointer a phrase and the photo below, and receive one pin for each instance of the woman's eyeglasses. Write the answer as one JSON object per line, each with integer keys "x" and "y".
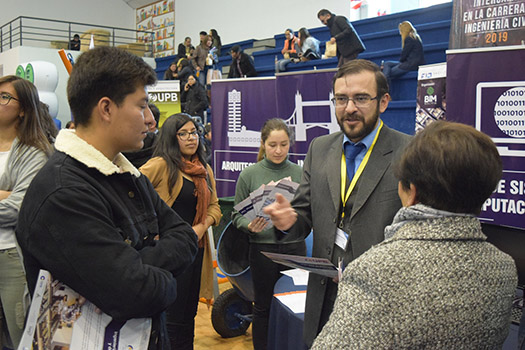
{"x": 185, "y": 136}
{"x": 5, "y": 98}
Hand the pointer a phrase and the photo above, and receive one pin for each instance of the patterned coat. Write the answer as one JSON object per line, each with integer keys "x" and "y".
{"x": 435, "y": 284}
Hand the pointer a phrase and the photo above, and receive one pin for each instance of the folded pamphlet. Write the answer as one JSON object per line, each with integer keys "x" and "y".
{"x": 320, "y": 266}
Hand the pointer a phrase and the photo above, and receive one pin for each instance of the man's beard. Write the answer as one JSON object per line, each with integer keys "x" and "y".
{"x": 359, "y": 134}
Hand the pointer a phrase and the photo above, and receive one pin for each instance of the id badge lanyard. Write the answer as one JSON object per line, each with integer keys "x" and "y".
{"x": 345, "y": 193}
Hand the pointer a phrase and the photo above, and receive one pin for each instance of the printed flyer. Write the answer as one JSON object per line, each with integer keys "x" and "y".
{"x": 60, "y": 319}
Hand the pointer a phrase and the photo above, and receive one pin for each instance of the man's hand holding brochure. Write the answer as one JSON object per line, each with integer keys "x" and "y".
{"x": 252, "y": 208}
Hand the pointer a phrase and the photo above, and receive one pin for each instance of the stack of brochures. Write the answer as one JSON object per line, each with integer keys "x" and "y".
{"x": 252, "y": 207}
{"x": 59, "y": 318}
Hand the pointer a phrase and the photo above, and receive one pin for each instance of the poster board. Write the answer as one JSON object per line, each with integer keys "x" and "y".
{"x": 487, "y": 23}
{"x": 165, "y": 94}
{"x": 431, "y": 94}
{"x": 493, "y": 101}
{"x": 241, "y": 106}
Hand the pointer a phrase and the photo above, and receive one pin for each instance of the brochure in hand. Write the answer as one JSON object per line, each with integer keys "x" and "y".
{"x": 252, "y": 207}
{"x": 59, "y": 318}
{"x": 318, "y": 266}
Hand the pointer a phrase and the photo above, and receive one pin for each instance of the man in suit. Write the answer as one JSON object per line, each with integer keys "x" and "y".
{"x": 347, "y": 212}
{"x": 349, "y": 45}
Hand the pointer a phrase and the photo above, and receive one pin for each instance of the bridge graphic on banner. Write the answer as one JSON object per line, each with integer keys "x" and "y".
{"x": 239, "y": 136}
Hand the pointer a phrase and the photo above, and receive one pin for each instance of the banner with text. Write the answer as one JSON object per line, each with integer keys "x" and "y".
{"x": 493, "y": 100}
{"x": 431, "y": 92}
{"x": 166, "y": 96}
{"x": 486, "y": 23}
{"x": 241, "y": 106}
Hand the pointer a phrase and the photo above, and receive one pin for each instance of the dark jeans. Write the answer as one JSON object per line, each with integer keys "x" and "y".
{"x": 180, "y": 316}
{"x": 265, "y": 274}
{"x": 342, "y": 60}
{"x": 521, "y": 334}
{"x": 391, "y": 70}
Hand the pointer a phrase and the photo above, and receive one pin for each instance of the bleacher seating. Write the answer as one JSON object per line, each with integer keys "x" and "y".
{"x": 383, "y": 42}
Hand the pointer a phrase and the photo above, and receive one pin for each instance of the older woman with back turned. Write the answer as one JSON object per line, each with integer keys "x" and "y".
{"x": 180, "y": 175}
{"x": 434, "y": 282}
{"x": 26, "y": 132}
{"x": 272, "y": 165}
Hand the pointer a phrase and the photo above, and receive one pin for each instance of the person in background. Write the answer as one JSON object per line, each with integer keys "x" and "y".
{"x": 347, "y": 194}
{"x": 199, "y": 57}
{"x": 202, "y": 36}
{"x": 206, "y": 141}
{"x": 272, "y": 165}
{"x": 25, "y": 144}
{"x": 171, "y": 72}
{"x": 90, "y": 218}
{"x": 216, "y": 41}
{"x": 411, "y": 55}
{"x": 211, "y": 63}
{"x": 185, "y": 49}
{"x": 70, "y": 125}
{"x": 138, "y": 158}
{"x": 74, "y": 44}
{"x": 242, "y": 65}
{"x": 434, "y": 282}
{"x": 180, "y": 70}
{"x": 308, "y": 45}
{"x": 185, "y": 182}
{"x": 349, "y": 44}
{"x": 194, "y": 100}
{"x": 184, "y": 70}
{"x": 290, "y": 50}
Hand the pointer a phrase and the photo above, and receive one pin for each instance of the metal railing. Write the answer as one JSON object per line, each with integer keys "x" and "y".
{"x": 41, "y": 32}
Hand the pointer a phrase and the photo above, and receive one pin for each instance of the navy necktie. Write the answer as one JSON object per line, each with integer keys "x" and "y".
{"x": 351, "y": 151}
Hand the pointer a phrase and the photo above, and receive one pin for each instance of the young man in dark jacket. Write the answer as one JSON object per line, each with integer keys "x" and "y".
{"x": 90, "y": 217}
{"x": 242, "y": 65}
{"x": 349, "y": 44}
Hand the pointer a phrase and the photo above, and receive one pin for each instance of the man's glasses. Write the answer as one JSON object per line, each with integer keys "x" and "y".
{"x": 185, "y": 136}
{"x": 5, "y": 98}
{"x": 359, "y": 101}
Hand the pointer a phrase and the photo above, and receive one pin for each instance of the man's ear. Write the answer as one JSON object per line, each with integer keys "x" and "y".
{"x": 383, "y": 102}
{"x": 105, "y": 107}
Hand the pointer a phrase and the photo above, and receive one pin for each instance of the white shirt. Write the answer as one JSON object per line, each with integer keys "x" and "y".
{"x": 7, "y": 238}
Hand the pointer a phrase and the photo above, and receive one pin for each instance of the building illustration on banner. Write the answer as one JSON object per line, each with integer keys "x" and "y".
{"x": 509, "y": 115}
{"x": 239, "y": 136}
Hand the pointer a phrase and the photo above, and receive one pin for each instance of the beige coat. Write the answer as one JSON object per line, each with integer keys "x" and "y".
{"x": 156, "y": 170}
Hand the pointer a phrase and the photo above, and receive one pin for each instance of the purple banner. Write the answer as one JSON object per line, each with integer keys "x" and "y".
{"x": 493, "y": 100}
{"x": 487, "y": 23}
{"x": 241, "y": 106}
